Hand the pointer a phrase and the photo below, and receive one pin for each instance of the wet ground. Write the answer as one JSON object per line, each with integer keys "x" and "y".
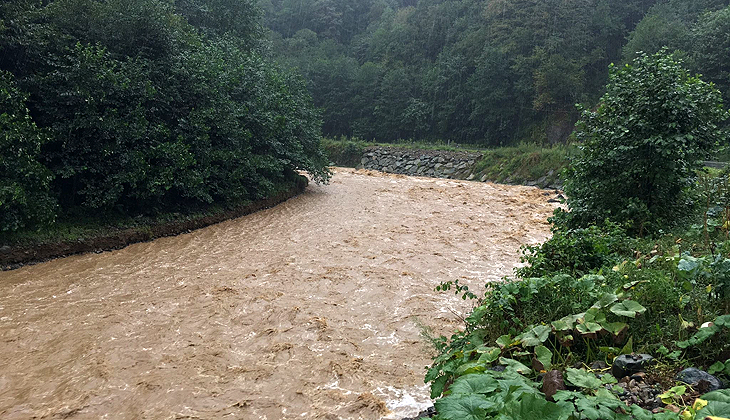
{"x": 310, "y": 309}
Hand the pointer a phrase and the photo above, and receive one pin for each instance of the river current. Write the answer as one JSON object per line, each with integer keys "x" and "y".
{"x": 311, "y": 309}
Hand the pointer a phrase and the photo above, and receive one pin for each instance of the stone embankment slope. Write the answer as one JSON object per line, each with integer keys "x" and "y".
{"x": 440, "y": 164}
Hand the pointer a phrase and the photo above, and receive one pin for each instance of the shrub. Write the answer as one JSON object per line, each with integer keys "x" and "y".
{"x": 643, "y": 144}
{"x": 24, "y": 198}
{"x": 576, "y": 251}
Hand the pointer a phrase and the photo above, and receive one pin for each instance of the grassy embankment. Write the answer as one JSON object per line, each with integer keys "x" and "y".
{"x": 510, "y": 165}
{"x": 80, "y": 232}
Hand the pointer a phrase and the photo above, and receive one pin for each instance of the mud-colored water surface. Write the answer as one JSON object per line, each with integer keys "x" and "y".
{"x": 306, "y": 310}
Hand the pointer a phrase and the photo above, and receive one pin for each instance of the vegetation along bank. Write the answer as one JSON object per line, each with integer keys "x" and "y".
{"x": 624, "y": 313}
{"x": 117, "y": 114}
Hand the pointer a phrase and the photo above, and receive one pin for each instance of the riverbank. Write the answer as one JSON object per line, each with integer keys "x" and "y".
{"x": 100, "y": 234}
{"x": 526, "y": 164}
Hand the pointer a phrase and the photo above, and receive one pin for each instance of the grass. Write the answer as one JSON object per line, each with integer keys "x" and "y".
{"x": 525, "y": 163}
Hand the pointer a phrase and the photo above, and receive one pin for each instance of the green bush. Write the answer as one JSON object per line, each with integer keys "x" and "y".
{"x": 24, "y": 197}
{"x": 155, "y": 106}
{"x": 344, "y": 152}
{"x": 576, "y": 251}
{"x": 642, "y": 145}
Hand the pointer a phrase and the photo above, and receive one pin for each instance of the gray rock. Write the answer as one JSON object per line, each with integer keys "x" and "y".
{"x": 628, "y": 364}
{"x": 696, "y": 377}
{"x": 599, "y": 365}
{"x": 470, "y": 177}
{"x": 483, "y": 178}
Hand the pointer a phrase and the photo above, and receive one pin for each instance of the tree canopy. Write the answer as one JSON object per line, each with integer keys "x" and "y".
{"x": 643, "y": 143}
{"x": 145, "y": 105}
{"x": 489, "y": 72}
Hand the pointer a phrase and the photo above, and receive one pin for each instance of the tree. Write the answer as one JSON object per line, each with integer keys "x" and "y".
{"x": 642, "y": 144}
{"x": 24, "y": 198}
{"x": 711, "y": 43}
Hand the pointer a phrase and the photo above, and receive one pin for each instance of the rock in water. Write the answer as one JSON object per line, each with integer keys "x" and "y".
{"x": 628, "y": 364}
{"x": 425, "y": 414}
{"x": 695, "y": 377}
{"x": 552, "y": 383}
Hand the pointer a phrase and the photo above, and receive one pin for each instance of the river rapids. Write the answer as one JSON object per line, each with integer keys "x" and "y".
{"x": 311, "y": 309}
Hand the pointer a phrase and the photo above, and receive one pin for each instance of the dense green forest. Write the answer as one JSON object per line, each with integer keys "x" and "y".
{"x": 142, "y": 106}
{"x": 490, "y": 72}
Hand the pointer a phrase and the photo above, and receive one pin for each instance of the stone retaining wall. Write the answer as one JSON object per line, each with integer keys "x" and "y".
{"x": 433, "y": 163}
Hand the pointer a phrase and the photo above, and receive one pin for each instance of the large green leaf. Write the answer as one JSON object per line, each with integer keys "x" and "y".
{"x": 615, "y": 328}
{"x": 490, "y": 354}
{"x": 582, "y": 379}
{"x": 533, "y": 407}
{"x": 566, "y": 323}
{"x": 587, "y": 408}
{"x": 474, "y": 383}
{"x": 605, "y": 300}
{"x": 722, "y": 395}
{"x": 536, "y": 335}
{"x": 464, "y": 407}
{"x": 608, "y": 379}
{"x": 514, "y": 365}
{"x": 723, "y": 321}
{"x": 588, "y": 328}
{"x": 470, "y": 367}
{"x": 505, "y": 341}
{"x": 544, "y": 356}
{"x": 594, "y": 315}
{"x": 628, "y": 308}
{"x": 561, "y": 325}
{"x": 438, "y": 385}
{"x": 716, "y": 409}
{"x": 688, "y": 265}
{"x": 699, "y": 337}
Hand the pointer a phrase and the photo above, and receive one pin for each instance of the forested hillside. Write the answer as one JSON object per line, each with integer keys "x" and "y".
{"x": 141, "y": 106}
{"x": 490, "y": 72}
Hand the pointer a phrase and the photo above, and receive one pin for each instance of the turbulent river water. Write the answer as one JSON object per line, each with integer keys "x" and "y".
{"x": 311, "y": 309}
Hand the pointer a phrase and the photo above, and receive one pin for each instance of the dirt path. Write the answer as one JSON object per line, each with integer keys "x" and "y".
{"x": 305, "y": 310}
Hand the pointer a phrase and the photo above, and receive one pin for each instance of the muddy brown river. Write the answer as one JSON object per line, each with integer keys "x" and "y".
{"x": 310, "y": 309}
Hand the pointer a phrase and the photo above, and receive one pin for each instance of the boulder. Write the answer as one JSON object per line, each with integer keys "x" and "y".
{"x": 628, "y": 364}
{"x": 699, "y": 379}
